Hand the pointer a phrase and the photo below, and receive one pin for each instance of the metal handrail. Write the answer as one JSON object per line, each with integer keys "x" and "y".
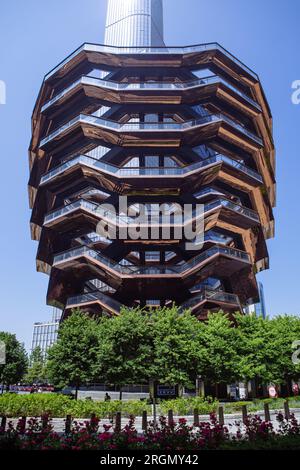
{"x": 149, "y": 219}
{"x": 152, "y": 270}
{"x": 94, "y": 296}
{"x": 120, "y": 86}
{"x": 98, "y": 48}
{"x": 148, "y": 126}
{"x": 210, "y": 295}
{"x": 144, "y": 171}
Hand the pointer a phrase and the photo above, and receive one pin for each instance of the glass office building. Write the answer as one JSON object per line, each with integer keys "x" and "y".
{"x": 45, "y": 333}
{"x": 258, "y": 309}
{"x": 134, "y": 23}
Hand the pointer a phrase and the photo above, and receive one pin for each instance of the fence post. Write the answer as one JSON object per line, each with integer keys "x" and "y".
{"x": 221, "y": 416}
{"x": 154, "y": 410}
{"x": 267, "y": 412}
{"x": 45, "y": 419}
{"x": 68, "y": 424}
{"x": 92, "y": 422}
{"x": 22, "y": 424}
{"x": 144, "y": 421}
{"x": 244, "y": 414}
{"x": 3, "y": 423}
{"x": 118, "y": 422}
{"x": 170, "y": 418}
{"x": 287, "y": 413}
{"x": 196, "y": 417}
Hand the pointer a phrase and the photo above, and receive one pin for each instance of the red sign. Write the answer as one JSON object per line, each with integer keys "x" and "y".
{"x": 272, "y": 392}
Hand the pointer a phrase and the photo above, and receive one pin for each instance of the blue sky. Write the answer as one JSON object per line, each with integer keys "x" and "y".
{"x": 35, "y": 36}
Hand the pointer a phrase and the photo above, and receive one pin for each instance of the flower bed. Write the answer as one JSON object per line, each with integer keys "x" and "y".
{"x": 255, "y": 434}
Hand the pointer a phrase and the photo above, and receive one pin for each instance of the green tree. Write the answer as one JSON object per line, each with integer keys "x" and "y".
{"x": 179, "y": 355}
{"x": 255, "y": 349}
{"x": 16, "y": 360}
{"x": 36, "y": 371}
{"x": 72, "y": 359}
{"x": 139, "y": 346}
{"x": 125, "y": 353}
{"x": 218, "y": 343}
{"x": 265, "y": 348}
{"x": 284, "y": 330}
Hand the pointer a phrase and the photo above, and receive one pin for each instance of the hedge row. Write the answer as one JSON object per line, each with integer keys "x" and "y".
{"x": 59, "y": 406}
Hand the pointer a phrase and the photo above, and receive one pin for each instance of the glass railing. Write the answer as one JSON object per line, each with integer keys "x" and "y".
{"x": 65, "y": 210}
{"x": 61, "y": 130}
{"x": 212, "y": 236}
{"x": 150, "y": 218}
{"x": 105, "y": 300}
{"x": 148, "y": 126}
{"x": 85, "y": 80}
{"x": 152, "y": 270}
{"x": 87, "y": 47}
{"x": 232, "y": 206}
{"x": 210, "y": 295}
{"x": 78, "y": 160}
{"x": 143, "y": 171}
{"x": 208, "y": 192}
{"x": 240, "y": 166}
{"x": 242, "y": 129}
{"x": 95, "y": 238}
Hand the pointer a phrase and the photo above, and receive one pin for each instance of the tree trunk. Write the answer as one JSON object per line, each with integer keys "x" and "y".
{"x": 120, "y": 394}
{"x": 254, "y": 388}
{"x": 200, "y": 388}
{"x": 76, "y": 392}
{"x": 288, "y": 387}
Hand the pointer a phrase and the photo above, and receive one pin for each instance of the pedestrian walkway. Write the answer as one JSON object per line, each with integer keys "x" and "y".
{"x": 231, "y": 421}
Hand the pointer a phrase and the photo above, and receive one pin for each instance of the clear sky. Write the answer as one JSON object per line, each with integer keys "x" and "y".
{"x": 35, "y": 36}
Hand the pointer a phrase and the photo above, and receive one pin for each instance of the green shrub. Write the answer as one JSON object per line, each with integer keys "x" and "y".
{"x": 59, "y": 406}
{"x": 186, "y": 406}
{"x": 258, "y": 404}
{"x": 236, "y": 407}
{"x": 12, "y": 405}
{"x": 84, "y": 409}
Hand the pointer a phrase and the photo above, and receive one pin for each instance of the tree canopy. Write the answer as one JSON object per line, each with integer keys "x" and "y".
{"x": 125, "y": 349}
{"x": 265, "y": 348}
{"x": 172, "y": 347}
{"x": 218, "y": 339}
{"x": 140, "y": 346}
{"x": 16, "y": 364}
{"x": 72, "y": 359}
{"x": 179, "y": 355}
{"x": 36, "y": 372}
